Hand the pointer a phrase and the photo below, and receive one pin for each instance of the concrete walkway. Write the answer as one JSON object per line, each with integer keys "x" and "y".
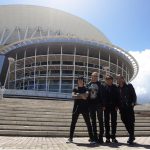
{"x": 48, "y": 143}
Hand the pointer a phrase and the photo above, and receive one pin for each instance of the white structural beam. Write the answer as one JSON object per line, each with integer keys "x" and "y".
{"x": 34, "y": 32}
{"x": 117, "y": 67}
{"x": 99, "y": 64}
{"x": 19, "y": 34}
{"x": 15, "y": 70}
{"x": 60, "y": 77}
{"x": 26, "y": 32}
{"x": 109, "y": 64}
{"x": 35, "y": 67}
{"x": 87, "y": 67}
{"x": 122, "y": 68}
{"x": 74, "y": 65}
{"x": 9, "y": 35}
{"x": 47, "y": 69}
{"x": 2, "y": 37}
{"x": 24, "y": 69}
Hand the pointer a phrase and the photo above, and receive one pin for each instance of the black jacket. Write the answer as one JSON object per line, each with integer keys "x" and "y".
{"x": 127, "y": 95}
{"x": 111, "y": 96}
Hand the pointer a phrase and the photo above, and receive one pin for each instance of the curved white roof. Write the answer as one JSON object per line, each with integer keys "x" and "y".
{"x": 48, "y": 20}
{"x": 21, "y": 25}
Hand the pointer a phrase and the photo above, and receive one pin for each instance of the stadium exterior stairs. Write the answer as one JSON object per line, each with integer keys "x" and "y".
{"x": 27, "y": 117}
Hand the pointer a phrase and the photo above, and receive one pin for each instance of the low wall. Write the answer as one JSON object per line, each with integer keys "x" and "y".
{"x": 36, "y": 93}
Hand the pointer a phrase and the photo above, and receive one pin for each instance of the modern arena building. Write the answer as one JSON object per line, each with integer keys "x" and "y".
{"x": 43, "y": 50}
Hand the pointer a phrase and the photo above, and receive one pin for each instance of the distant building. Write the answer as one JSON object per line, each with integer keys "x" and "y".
{"x": 51, "y": 48}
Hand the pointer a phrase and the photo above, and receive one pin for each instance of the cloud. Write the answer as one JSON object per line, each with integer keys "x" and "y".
{"x": 142, "y": 81}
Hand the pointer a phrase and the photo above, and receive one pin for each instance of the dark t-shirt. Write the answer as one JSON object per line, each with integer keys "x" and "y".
{"x": 80, "y": 104}
{"x": 95, "y": 93}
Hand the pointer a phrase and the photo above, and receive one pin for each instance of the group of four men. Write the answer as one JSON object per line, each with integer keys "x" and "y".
{"x": 95, "y": 99}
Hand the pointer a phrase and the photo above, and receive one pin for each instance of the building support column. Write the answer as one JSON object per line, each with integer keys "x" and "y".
{"x": 126, "y": 75}
{"x": 47, "y": 69}
{"x": 24, "y": 64}
{"x": 15, "y": 71}
{"x": 35, "y": 67}
{"x": 60, "y": 77}
{"x": 99, "y": 68}
{"x": 8, "y": 76}
{"x": 109, "y": 65}
{"x": 122, "y": 68}
{"x": 74, "y": 64}
{"x": 117, "y": 67}
{"x": 87, "y": 67}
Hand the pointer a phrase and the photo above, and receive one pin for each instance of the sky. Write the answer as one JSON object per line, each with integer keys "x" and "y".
{"x": 126, "y": 23}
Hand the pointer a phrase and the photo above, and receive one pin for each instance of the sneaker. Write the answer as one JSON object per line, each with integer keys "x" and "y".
{"x": 107, "y": 140}
{"x": 69, "y": 140}
{"x": 114, "y": 141}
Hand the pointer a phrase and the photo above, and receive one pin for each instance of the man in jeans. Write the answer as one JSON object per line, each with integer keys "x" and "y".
{"x": 96, "y": 106}
{"x": 127, "y": 102}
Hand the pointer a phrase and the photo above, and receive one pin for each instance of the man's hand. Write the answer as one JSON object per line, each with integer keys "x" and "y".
{"x": 133, "y": 104}
{"x": 82, "y": 96}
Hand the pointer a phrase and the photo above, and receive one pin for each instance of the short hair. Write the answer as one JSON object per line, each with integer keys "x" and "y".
{"x": 80, "y": 78}
{"x": 94, "y": 73}
{"x": 109, "y": 77}
{"x": 120, "y": 76}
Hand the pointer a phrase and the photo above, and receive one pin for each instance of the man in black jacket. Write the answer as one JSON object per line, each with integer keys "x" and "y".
{"x": 111, "y": 107}
{"x": 96, "y": 106}
{"x": 127, "y": 102}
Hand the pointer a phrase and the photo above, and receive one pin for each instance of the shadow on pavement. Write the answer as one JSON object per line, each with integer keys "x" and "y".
{"x": 87, "y": 144}
{"x": 140, "y": 145}
{"x": 113, "y": 145}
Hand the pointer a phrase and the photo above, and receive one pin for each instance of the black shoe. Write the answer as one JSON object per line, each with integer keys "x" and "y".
{"x": 107, "y": 140}
{"x": 100, "y": 140}
{"x": 114, "y": 141}
{"x": 92, "y": 142}
{"x": 69, "y": 140}
{"x": 89, "y": 140}
{"x": 131, "y": 141}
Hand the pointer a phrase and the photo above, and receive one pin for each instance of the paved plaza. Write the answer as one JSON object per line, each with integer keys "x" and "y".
{"x": 42, "y": 118}
{"x": 48, "y": 143}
